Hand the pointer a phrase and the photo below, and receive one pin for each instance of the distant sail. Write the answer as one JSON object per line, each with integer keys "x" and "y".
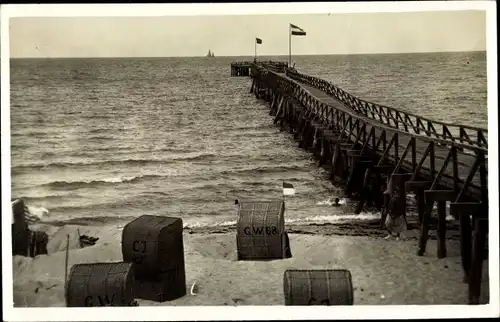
{"x": 210, "y": 53}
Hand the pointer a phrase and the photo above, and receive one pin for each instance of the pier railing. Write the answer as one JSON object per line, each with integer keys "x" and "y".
{"x": 279, "y": 67}
{"x": 398, "y": 119}
{"x": 267, "y": 63}
{"x": 397, "y": 146}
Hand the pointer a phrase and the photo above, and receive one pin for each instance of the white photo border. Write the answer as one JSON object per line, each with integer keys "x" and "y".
{"x": 182, "y": 313}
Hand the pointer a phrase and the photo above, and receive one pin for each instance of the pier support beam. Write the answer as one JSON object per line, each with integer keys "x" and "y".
{"x": 464, "y": 211}
{"x": 472, "y": 248}
{"x": 419, "y": 187}
{"x": 439, "y": 196}
{"x": 476, "y": 271}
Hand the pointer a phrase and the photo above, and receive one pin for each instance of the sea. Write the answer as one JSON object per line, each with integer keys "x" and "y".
{"x": 98, "y": 141}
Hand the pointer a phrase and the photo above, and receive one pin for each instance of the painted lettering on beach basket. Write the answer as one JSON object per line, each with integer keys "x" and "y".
{"x": 100, "y": 284}
{"x": 261, "y": 231}
{"x": 318, "y": 287}
{"x": 153, "y": 244}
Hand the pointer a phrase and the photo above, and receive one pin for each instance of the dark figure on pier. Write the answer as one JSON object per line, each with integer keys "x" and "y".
{"x": 336, "y": 204}
{"x": 396, "y": 221}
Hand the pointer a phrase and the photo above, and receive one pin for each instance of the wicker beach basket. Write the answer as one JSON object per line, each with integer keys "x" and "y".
{"x": 164, "y": 287}
{"x": 100, "y": 284}
{"x": 154, "y": 244}
{"x": 318, "y": 287}
{"x": 38, "y": 241}
{"x": 20, "y": 232}
{"x": 261, "y": 231}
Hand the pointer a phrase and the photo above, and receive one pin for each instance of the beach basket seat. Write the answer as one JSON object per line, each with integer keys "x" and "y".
{"x": 154, "y": 245}
{"x": 26, "y": 242}
{"x": 318, "y": 287}
{"x": 20, "y": 232}
{"x": 260, "y": 233}
{"x": 160, "y": 288}
{"x": 100, "y": 284}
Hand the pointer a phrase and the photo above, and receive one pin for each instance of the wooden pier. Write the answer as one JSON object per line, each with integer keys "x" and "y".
{"x": 244, "y": 68}
{"x": 382, "y": 153}
{"x": 241, "y": 68}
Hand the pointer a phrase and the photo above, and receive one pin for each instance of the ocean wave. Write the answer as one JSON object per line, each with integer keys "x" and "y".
{"x": 191, "y": 193}
{"x": 37, "y": 211}
{"x": 100, "y": 137}
{"x": 198, "y": 224}
{"x": 265, "y": 169}
{"x": 194, "y": 222}
{"x": 330, "y": 201}
{"x": 239, "y": 129}
{"x": 129, "y": 162}
{"x": 19, "y": 146}
{"x": 333, "y": 218}
{"x": 34, "y": 213}
{"x": 367, "y": 216}
{"x": 50, "y": 198}
{"x": 91, "y": 221}
{"x": 73, "y": 185}
{"x": 101, "y": 130}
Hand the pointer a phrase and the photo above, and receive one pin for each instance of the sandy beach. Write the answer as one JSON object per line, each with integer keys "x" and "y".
{"x": 383, "y": 271}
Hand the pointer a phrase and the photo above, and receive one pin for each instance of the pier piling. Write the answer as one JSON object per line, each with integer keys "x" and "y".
{"x": 380, "y": 154}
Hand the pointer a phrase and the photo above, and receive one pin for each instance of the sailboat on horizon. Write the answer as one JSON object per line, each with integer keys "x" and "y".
{"x": 210, "y": 54}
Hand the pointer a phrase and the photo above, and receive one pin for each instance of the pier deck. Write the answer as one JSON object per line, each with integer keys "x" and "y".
{"x": 382, "y": 153}
{"x": 441, "y": 152}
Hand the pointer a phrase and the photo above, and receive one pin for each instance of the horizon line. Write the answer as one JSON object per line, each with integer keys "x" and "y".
{"x": 251, "y": 55}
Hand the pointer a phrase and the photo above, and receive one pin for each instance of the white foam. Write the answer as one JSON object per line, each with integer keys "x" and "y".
{"x": 330, "y": 201}
{"x": 36, "y": 213}
{"x": 334, "y": 218}
{"x": 198, "y": 224}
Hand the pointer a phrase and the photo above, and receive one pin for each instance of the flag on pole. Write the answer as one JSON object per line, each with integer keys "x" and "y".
{"x": 288, "y": 189}
{"x": 258, "y": 40}
{"x": 296, "y": 30}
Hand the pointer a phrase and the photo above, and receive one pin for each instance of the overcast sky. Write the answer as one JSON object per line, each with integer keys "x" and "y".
{"x": 349, "y": 33}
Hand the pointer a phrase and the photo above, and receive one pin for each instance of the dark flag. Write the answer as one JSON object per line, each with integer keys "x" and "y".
{"x": 297, "y": 31}
{"x": 258, "y": 40}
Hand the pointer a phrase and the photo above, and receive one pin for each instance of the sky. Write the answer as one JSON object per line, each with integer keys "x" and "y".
{"x": 177, "y": 36}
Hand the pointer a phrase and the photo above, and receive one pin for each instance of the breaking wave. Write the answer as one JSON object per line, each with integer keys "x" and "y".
{"x": 126, "y": 162}
{"x": 72, "y": 185}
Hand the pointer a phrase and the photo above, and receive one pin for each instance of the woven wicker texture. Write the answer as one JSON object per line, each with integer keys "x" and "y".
{"x": 318, "y": 287}
{"x": 20, "y": 232}
{"x": 261, "y": 230}
{"x": 38, "y": 241}
{"x": 164, "y": 287}
{"x": 100, "y": 284}
{"x": 154, "y": 244}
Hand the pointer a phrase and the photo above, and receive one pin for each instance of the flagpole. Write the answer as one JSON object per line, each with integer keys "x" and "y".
{"x": 289, "y": 45}
{"x": 283, "y": 192}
